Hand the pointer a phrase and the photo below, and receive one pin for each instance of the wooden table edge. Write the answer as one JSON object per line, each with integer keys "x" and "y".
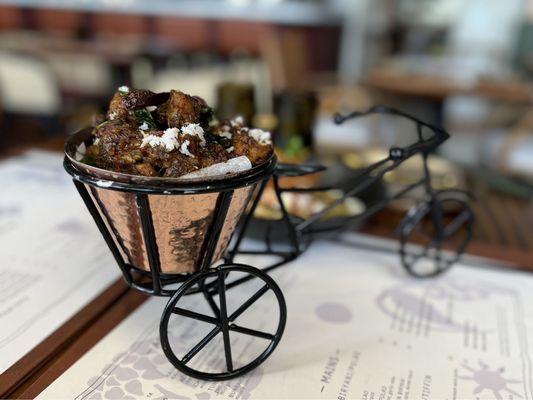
{"x": 37, "y": 358}
{"x": 75, "y": 349}
{"x": 512, "y": 258}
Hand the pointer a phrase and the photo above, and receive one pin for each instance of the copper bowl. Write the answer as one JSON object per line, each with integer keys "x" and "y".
{"x": 182, "y": 210}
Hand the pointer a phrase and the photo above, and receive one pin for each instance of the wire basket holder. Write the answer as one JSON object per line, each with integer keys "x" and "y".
{"x": 210, "y": 282}
{"x": 425, "y": 219}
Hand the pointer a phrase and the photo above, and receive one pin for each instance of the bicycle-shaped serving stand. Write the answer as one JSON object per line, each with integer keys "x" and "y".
{"x": 441, "y": 240}
{"x": 166, "y": 237}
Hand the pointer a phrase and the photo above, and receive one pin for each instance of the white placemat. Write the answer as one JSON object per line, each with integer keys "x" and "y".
{"x": 357, "y": 328}
{"x": 53, "y": 259}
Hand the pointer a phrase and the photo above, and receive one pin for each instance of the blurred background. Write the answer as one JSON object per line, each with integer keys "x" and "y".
{"x": 287, "y": 66}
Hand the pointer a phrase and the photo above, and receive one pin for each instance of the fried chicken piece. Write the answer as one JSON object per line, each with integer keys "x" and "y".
{"x": 160, "y": 116}
{"x": 182, "y": 109}
{"x": 239, "y": 140}
{"x": 146, "y": 169}
{"x": 181, "y": 165}
{"x": 245, "y": 145}
{"x": 117, "y": 107}
{"x": 123, "y": 102}
{"x": 140, "y": 98}
{"x": 172, "y": 163}
{"x": 171, "y": 141}
{"x": 211, "y": 153}
{"x": 118, "y": 145}
{"x": 255, "y": 144}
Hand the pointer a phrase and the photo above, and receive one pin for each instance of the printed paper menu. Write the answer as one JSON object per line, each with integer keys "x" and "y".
{"x": 53, "y": 259}
{"x": 358, "y": 328}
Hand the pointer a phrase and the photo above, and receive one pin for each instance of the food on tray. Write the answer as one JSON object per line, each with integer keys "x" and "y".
{"x": 172, "y": 135}
{"x": 304, "y": 205}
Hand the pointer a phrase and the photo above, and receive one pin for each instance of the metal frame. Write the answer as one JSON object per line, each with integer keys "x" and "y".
{"x": 135, "y": 276}
{"x": 300, "y": 235}
{"x": 157, "y": 283}
{"x": 223, "y": 323}
{"x": 301, "y": 232}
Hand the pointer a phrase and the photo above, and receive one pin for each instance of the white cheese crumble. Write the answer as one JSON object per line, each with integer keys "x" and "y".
{"x": 124, "y": 89}
{"x": 184, "y": 149}
{"x": 168, "y": 140}
{"x": 260, "y": 136}
{"x": 226, "y": 134}
{"x": 237, "y": 121}
{"x": 112, "y": 116}
{"x": 151, "y": 140}
{"x": 194, "y": 130}
{"x": 143, "y": 127}
{"x": 230, "y": 149}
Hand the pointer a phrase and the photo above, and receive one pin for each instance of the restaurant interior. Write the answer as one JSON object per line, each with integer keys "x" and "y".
{"x": 289, "y": 67}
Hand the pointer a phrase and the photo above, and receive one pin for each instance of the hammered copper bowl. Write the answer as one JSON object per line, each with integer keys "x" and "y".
{"x": 181, "y": 210}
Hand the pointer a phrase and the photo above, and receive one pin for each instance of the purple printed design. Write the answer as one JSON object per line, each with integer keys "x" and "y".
{"x": 492, "y": 380}
{"x": 10, "y": 210}
{"x": 335, "y": 313}
{"x": 144, "y": 361}
{"x": 122, "y": 378}
{"x": 71, "y": 226}
{"x": 426, "y": 301}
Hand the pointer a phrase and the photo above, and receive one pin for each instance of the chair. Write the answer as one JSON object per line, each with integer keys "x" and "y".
{"x": 28, "y": 86}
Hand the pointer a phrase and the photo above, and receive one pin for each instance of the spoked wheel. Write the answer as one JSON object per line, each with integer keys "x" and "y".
{"x": 234, "y": 341}
{"x": 440, "y": 230}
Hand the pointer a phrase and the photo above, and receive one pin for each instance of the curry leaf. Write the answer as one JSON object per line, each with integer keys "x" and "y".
{"x": 144, "y": 116}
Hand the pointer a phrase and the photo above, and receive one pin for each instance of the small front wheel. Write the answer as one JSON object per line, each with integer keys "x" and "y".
{"x": 434, "y": 235}
{"x": 230, "y": 347}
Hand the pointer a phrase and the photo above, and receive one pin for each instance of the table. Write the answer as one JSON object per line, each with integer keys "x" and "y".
{"x": 438, "y": 88}
{"x": 501, "y": 234}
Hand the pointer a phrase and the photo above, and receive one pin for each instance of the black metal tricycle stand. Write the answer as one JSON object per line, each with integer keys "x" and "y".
{"x": 444, "y": 241}
{"x": 214, "y": 282}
